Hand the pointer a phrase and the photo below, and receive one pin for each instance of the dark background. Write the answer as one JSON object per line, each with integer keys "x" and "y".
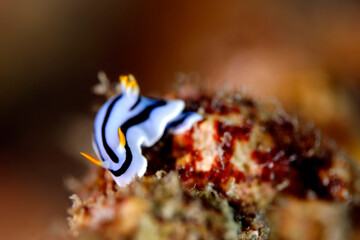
{"x": 51, "y": 52}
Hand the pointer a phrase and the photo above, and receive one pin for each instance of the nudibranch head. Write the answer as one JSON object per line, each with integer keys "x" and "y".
{"x": 109, "y": 145}
{"x": 129, "y": 121}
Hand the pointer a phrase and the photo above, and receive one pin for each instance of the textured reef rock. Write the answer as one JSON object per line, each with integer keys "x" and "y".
{"x": 247, "y": 171}
{"x": 249, "y": 155}
{"x": 153, "y": 208}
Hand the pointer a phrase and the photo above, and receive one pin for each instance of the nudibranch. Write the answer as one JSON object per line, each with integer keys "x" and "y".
{"x": 127, "y": 122}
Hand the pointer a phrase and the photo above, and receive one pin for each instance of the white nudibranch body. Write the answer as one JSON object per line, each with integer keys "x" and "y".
{"x": 128, "y": 121}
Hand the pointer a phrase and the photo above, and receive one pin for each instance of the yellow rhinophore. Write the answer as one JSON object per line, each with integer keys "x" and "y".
{"x": 131, "y": 77}
{"x": 92, "y": 159}
{"x": 129, "y": 82}
{"x": 122, "y": 139}
{"x": 133, "y": 85}
{"x": 124, "y": 80}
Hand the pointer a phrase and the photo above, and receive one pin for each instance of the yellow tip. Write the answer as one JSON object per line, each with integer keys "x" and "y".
{"x": 133, "y": 85}
{"x": 131, "y": 77}
{"x": 123, "y": 79}
{"x": 122, "y": 139}
{"x": 128, "y": 83}
{"x": 92, "y": 159}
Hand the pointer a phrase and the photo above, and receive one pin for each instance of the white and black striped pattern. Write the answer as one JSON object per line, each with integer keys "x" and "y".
{"x": 143, "y": 122}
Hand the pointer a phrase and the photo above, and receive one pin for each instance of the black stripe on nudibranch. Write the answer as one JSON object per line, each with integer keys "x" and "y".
{"x": 126, "y": 164}
{"x": 141, "y": 117}
{"x": 179, "y": 120}
{"x": 97, "y": 145}
{"x": 108, "y": 150}
{"x": 136, "y": 103}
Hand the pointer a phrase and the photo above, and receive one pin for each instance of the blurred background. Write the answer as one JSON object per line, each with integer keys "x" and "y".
{"x": 305, "y": 54}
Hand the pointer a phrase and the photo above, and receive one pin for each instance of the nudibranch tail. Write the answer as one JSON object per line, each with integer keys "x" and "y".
{"x": 92, "y": 159}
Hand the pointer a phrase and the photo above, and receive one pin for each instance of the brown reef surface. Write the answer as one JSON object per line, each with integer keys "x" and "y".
{"x": 246, "y": 171}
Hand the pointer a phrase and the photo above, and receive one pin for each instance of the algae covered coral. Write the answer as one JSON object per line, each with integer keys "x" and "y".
{"x": 224, "y": 179}
{"x": 155, "y": 207}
